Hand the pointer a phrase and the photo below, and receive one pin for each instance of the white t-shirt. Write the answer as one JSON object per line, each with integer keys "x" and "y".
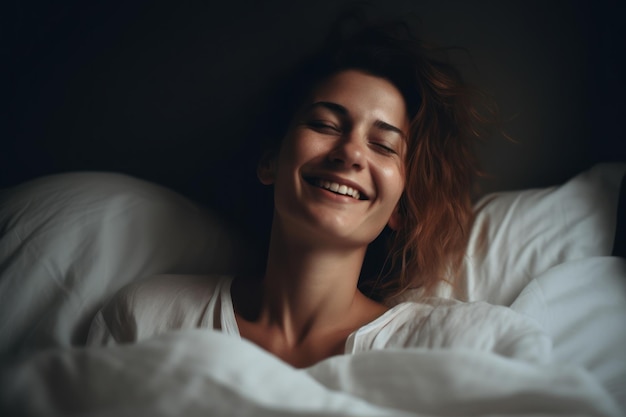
{"x": 171, "y": 302}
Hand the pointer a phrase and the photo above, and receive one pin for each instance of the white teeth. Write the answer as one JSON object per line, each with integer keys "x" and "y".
{"x": 339, "y": 189}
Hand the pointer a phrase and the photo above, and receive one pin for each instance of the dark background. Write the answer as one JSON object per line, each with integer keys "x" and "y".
{"x": 166, "y": 91}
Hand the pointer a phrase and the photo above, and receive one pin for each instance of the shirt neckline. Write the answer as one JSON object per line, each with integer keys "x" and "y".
{"x": 229, "y": 321}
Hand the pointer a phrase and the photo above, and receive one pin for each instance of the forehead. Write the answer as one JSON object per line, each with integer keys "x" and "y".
{"x": 363, "y": 95}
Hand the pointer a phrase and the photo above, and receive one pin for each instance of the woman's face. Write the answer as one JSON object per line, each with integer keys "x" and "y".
{"x": 339, "y": 173}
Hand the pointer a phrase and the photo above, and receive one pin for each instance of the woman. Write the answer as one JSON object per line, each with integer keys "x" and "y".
{"x": 378, "y": 134}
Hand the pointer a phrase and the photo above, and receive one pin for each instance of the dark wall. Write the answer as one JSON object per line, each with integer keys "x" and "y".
{"x": 166, "y": 91}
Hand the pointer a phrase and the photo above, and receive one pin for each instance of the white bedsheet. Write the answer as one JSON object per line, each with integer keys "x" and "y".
{"x": 582, "y": 307}
{"x": 203, "y": 372}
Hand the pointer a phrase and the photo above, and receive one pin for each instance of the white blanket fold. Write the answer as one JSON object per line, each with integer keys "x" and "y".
{"x": 202, "y": 372}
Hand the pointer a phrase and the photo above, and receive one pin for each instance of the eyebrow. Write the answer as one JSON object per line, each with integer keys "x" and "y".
{"x": 334, "y": 107}
{"x": 390, "y": 128}
{"x": 339, "y": 109}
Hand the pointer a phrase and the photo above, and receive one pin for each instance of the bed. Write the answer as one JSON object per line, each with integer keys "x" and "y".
{"x": 68, "y": 242}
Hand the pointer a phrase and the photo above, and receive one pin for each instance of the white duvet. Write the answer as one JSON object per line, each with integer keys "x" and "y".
{"x": 202, "y": 372}
{"x": 64, "y": 249}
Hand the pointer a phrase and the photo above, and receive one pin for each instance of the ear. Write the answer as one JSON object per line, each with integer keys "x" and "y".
{"x": 395, "y": 221}
{"x": 266, "y": 169}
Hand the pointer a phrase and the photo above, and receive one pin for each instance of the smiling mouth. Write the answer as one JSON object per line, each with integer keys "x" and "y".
{"x": 336, "y": 188}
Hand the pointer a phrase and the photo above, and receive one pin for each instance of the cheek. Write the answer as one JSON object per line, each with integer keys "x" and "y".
{"x": 289, "y": 153}
{"x": 297, "y": 151}
{"x": 393, "y": 182}
{"x": 304, "y": 148}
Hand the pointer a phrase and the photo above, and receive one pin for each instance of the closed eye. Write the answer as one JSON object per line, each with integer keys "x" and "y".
{"x": 323, "y": 126}
{"x": 381, "y": 147}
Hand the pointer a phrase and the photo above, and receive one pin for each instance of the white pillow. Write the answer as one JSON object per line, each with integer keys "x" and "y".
{"x": 69, "y": 241}
{"x": 519, "y": 235}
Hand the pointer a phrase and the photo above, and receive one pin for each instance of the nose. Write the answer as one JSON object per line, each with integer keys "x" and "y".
{"x": 349, "y": 151}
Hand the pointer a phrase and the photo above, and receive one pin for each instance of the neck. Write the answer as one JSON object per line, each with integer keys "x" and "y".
{"x": 308, "y": 288}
